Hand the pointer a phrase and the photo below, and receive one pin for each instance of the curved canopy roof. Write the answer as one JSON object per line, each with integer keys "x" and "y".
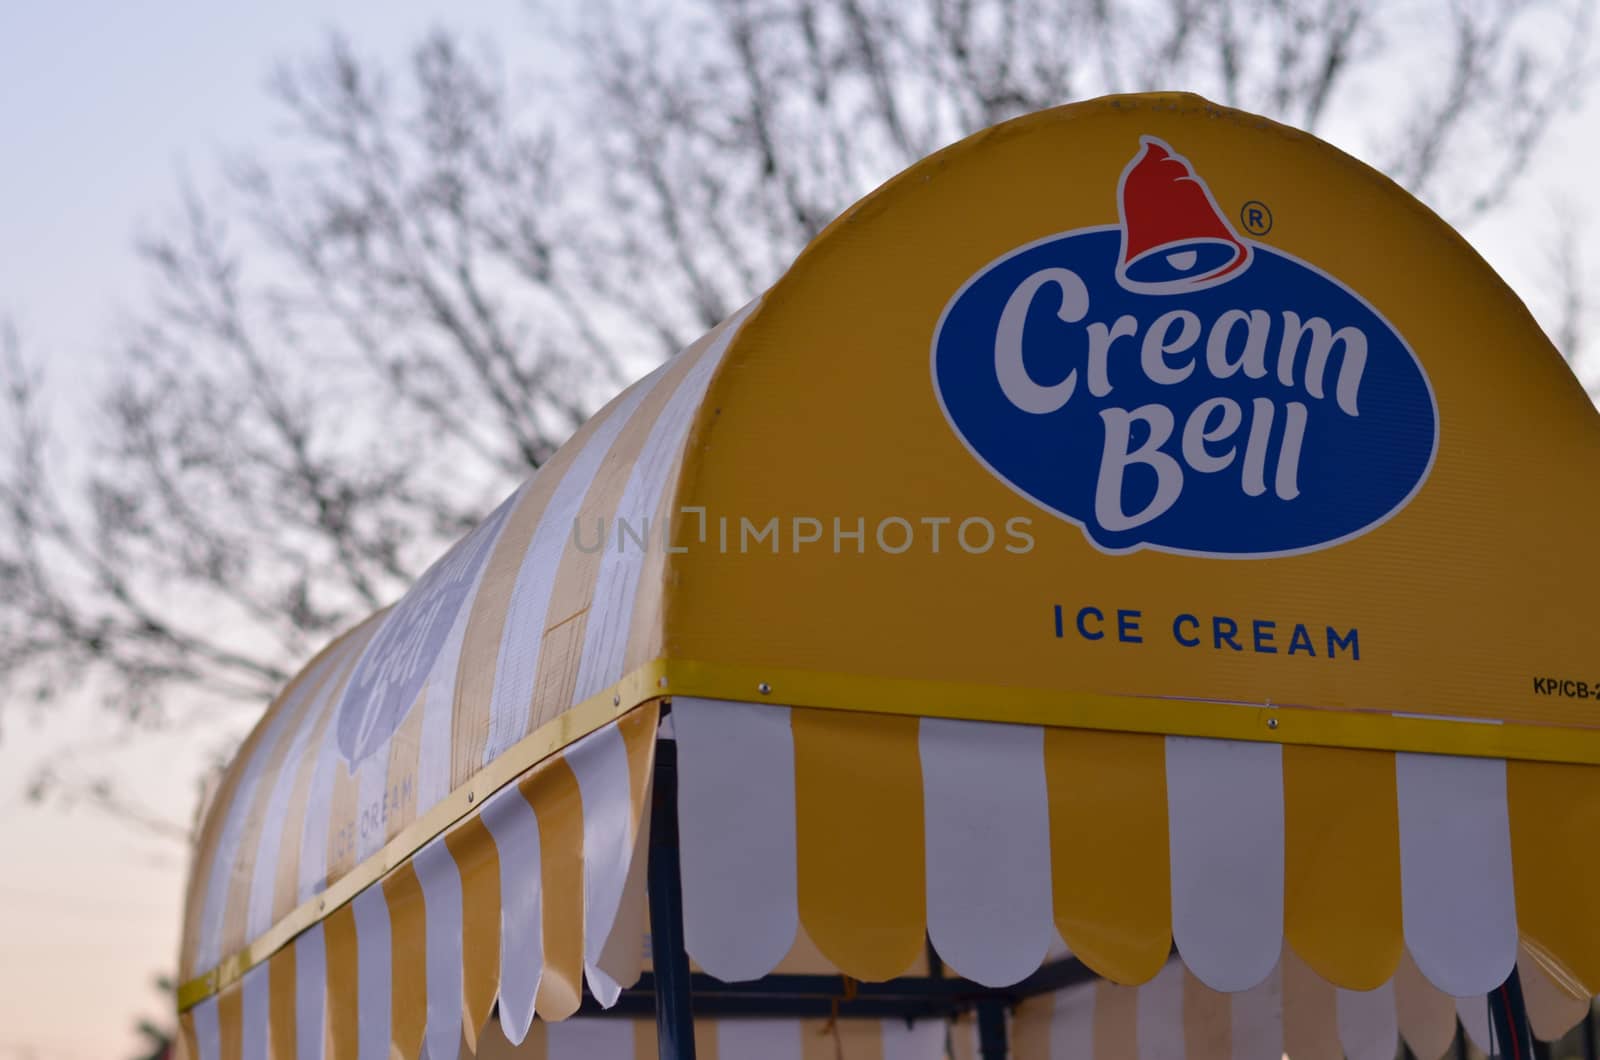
{"x": 1137, "y": 522}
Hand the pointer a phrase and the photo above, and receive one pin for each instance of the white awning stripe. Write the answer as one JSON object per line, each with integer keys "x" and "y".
{"x": 254, "y": 1039}
{"x": 1369, "y": 1027}
{"x": 310, "y": 994}
{"x": 1459, "y": 908}
{"x": 515, "y": 829}
{"x": 1160, "y": 1012}
{"x": 600, "y": 762}
{"x": 440, "y": 880}
{"x": 373, "y": 964}
{"x": 988, "y": 847}
{"x": 1258, "y": 1021}
{"x": 736, "y": 835}
{"x": 1225, "y": 817}
{"x": 207, "y": 1029}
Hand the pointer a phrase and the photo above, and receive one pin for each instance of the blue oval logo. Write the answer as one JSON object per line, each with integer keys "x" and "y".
{"x": 1164, "y": 383}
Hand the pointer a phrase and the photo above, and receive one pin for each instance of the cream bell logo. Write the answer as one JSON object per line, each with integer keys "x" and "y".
{"x": 1165, "y": 383}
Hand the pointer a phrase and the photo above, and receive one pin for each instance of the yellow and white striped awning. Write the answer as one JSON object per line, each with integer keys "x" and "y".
{"x": 436, "y": 833}
{"x": 730, "y": 1039}
{"x": 832, "y": 841}
{"x": 510, "y": 647}
{"x": 872, "y": 832}
{"x": 1173, "y": 1017}
{"x": 1293, "y": 1012}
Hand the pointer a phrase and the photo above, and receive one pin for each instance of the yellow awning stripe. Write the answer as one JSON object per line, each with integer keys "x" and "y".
{"x": 1108, "y": 849}
{"x": 1555, "y": 814}
{"x": 230, "y": 1019}
{"x": 281, "y": 980}
{"x": 478, "y": 861}
{"x": 343, "y": 982}
{"x": 858, "y": 815}
{"x": 553, "y": 792}
{"x": 1342, "y": 864}
{"x": 408, "y": 952}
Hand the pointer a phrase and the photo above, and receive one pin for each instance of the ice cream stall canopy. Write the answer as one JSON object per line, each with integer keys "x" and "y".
{"x": 1126, "y": 590}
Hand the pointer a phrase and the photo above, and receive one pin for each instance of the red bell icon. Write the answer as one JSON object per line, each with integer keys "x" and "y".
{"x": 1174, "y": 237}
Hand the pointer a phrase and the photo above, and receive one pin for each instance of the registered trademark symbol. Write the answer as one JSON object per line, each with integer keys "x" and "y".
{"x": 1256, "y": 218}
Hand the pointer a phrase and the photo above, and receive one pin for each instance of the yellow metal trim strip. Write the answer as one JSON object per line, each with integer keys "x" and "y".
{"x": 1267, "y": 723}
{"x": 637, "y": 688}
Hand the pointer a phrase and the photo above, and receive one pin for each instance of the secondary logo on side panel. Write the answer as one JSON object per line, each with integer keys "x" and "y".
{"x": 1166, "y": 383}
{"x": 395, "y": 666}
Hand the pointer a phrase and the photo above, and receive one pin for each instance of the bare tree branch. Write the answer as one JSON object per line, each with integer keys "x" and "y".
{"x": 1572, "y": 304}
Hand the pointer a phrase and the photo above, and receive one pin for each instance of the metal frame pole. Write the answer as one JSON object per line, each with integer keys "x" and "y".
{"x": 674, "y": 1011}
{"x": 1508, "y": 1019}
{"x": 992, "y": 1044}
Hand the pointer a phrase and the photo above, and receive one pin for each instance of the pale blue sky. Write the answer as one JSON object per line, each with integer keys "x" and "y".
{"x": 102, "y": 107}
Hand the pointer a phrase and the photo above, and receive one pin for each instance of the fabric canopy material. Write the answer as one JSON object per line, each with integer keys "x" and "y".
{"x": 979, "y": 630}
{"x": 1174, "y": 1017}
{"x": 778, "y": 1039}
{"x": 874, "y": 831}
{"x": 512, "y": 910}
{"x": 1292, "y": 1012}
{"x": 835, "y": 842}
{"x": 509, "y": 647}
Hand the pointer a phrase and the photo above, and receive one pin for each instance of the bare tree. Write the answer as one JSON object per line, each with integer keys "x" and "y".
{"x": 369, "y": 330}
{"x": 1569, "y": 281}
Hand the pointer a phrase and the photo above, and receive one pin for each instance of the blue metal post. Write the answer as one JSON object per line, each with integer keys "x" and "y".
{"x": 674, "y": 1012}
{"x": 1508, "y": 1018}
{"x": 992, "y": 1043}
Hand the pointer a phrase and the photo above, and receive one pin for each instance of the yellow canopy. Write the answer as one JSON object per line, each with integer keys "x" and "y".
{"x": 1139, "y": 524}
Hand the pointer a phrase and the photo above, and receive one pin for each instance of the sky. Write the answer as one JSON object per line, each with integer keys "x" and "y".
{"x": 103, "y": 108}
